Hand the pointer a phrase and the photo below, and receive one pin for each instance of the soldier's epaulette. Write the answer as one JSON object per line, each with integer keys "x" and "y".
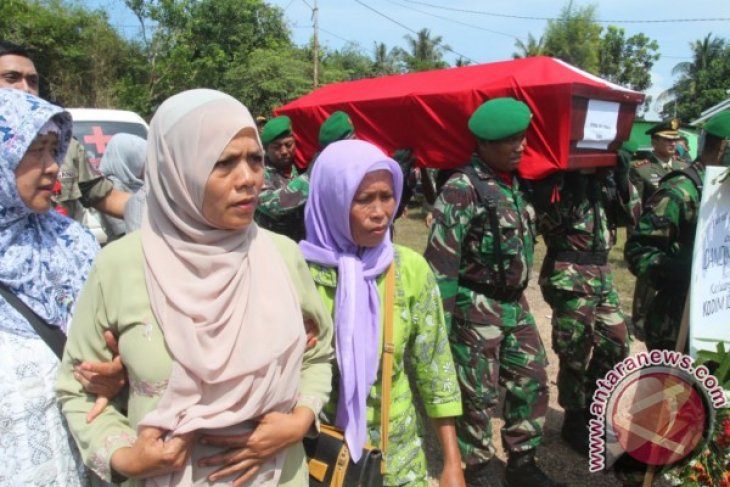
{"x": 639, "y": 162}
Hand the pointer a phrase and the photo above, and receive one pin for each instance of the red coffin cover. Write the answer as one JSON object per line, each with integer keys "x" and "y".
{"x": 428, "y": 111}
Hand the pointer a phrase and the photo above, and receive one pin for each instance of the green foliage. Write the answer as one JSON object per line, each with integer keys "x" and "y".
{"x": 348, "y": 63}
{"x": 386, "y": 61}
{"x": 241, "y": 47}
{"x": 202, "y": 43}
{"x": 270, "y": 79}
{"x": 533, "y": 47}
{"x": 82, "y": 60}
{"x": 425, "y": 52}
{"x": 627, "y": 62}
{"x": 703, "y": 82}
{"x": 575, "y": 37}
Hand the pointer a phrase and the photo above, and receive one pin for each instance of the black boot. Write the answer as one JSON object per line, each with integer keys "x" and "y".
{"x": 481, "y": 476}
{"x": 575, "y": 431}
{"x": 522, "y": 471}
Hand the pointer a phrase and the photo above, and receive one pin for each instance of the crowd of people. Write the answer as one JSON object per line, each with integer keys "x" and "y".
{"x": 241, "y": 303}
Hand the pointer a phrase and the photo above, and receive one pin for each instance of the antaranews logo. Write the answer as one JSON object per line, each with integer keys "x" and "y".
{"x": 656, "y": 406}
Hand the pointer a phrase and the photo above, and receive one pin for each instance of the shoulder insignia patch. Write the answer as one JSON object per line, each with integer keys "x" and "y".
{"x": 639, "y": 162}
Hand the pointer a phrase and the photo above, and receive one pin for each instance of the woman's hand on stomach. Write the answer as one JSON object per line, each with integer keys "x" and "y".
{"x": 151, "y": 454}
{"x": 246, "y": 452}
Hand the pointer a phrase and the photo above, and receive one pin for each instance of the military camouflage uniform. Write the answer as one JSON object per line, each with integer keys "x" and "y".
{"x": 493, "y": 336}
{"x": 645, "y": 174}
{"x": 81, "y": 185}
{"x": 577, "y": 282}
{"x": 661, "y": 250}
{"x": 281, "y": 203}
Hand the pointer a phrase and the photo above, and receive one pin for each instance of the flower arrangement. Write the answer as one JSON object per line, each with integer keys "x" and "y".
{"x": 710, "y": 466}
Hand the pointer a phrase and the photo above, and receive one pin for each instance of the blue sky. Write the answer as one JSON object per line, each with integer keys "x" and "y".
{"x": 485, "y": 38}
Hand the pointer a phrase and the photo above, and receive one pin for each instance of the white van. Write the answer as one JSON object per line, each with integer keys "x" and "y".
{"x": 93, "y": 127}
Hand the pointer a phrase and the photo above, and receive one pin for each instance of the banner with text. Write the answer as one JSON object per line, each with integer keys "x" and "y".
{"x": 710, "y": 285}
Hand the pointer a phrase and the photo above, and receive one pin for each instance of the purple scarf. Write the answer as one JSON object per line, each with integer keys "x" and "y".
{"x": 336, "y": 176}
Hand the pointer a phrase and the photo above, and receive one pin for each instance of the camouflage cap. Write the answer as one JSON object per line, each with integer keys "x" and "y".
{"x": 337, "y": 127}
{"x": 666, "y": 130}
{"x": 719, "y": 125}
{"x": 275, "y": 128}
{"x": 500, "y": 118}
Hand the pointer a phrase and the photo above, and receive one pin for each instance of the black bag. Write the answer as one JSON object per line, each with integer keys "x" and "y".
{"x": 330, "y": 464}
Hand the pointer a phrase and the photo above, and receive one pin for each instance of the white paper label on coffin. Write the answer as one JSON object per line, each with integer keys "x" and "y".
{"x": 600, "y": 126}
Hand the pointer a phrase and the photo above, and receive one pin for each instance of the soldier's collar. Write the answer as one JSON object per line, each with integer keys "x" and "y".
{"x": 486, "y": 172}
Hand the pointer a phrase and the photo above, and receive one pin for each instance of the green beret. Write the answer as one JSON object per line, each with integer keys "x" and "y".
{"x": 719, "y": 125}
{"x": 668, "y": 130}
{"x": 500, "y": 118}
{"x": 338, "y": 126}
{"x": 275, "y": 128}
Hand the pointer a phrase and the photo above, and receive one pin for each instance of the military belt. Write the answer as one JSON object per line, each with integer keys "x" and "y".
{"x": 578, "y": 257}
{"x": 491, "y": 291}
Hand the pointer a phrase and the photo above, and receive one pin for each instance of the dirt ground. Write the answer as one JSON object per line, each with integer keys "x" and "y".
{"x": 554, "y": 456}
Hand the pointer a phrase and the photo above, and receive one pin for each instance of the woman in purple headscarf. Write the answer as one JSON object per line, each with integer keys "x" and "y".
{"x": 355, "y": 190}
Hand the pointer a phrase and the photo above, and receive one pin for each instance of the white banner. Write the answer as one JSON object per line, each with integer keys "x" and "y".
{"x": 710, "y": 283}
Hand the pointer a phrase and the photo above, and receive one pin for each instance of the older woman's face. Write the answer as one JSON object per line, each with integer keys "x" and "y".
{"x": 231, "y": 192}
{"x": 372, "y": 207}
{"x": 37, "y": 172}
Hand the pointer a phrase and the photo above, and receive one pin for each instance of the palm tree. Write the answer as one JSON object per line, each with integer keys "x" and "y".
{"x": 705, "y": 52}
{"x": 461, "y": 62}
{"x": 426, "y": 52}
{"x": 533, "y": 47}
{"x": 385, "y": 62}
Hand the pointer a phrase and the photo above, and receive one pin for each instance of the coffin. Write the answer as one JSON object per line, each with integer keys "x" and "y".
{"x": 579, "y": 120}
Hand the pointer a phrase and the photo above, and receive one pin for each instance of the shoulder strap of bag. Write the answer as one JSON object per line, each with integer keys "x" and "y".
{"x": 388, "y": 350}
{"x": 52, "y": 335}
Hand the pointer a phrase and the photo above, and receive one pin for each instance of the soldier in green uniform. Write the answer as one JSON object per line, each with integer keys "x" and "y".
{"x": 281, "y": 209}
{"x": 279, "y": 148}
{"x": 82, "y": 186}
{"x": 660, "y": 249}
{"x": 645, "y": 174}
{"x": 480, "y": 248}
{"x": 589, "y": 329}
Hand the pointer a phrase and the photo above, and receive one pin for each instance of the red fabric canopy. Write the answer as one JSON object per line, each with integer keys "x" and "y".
{"x": 428, "y": 111}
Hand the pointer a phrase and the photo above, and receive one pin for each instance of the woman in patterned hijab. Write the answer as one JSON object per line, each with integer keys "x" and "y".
{"x": 45, "y": 260}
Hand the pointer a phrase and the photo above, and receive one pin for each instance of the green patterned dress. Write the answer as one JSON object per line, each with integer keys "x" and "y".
{"x": 420, "y": 337}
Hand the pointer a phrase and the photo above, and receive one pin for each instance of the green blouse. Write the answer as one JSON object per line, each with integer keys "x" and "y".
{"x": 420, "y": 338}
{"x": 115, "y": 298}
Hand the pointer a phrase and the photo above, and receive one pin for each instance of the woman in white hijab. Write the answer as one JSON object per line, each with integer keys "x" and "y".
{"x": 209, "y": 311}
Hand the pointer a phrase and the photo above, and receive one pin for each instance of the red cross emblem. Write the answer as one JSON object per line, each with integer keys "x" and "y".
{"x": 98, "y": 138}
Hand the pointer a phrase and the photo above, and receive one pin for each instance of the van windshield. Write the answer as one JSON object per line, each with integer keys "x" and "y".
{"x": 95, "y": 135}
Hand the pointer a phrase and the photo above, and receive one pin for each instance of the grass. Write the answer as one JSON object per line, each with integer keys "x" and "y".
{"x": 411, "y": 231}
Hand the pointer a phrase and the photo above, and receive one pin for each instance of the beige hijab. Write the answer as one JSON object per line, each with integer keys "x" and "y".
{"x": 224, "y": 299}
